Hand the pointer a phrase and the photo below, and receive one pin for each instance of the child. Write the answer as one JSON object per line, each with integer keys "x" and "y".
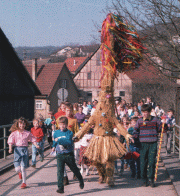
{"x": 125, "y": 123}
{"x": 20, "y": 137}
{"x": 41, "y": 125}
{"x": 72, "y": 126}
{"x": 134, "y": 147}
{"x": 53, "y": 129}
{"x": 38, "y": 133}
{"x": 61, "y": 110}
{"x": 63, "y": 144}
{"x": 84, "y": 143}
{"x": 147, "y": 129}
{"x": 48, "y": 124}
{"x": 169, "y": 134}
{"x": 159, "y": 111}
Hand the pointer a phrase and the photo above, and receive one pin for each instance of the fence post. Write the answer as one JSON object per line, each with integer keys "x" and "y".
{"x": 4, "y": 130}
{"x": 174, "y": 139}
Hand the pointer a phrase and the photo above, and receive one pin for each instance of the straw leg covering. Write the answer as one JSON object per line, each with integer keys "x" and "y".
{"x": 109, "y": 173}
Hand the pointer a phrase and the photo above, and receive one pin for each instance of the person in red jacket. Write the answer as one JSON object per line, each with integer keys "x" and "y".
{"x": 61, "y": 111}
{"x": 38, "y": 134}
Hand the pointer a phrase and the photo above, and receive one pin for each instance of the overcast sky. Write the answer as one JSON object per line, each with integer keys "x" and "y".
{"x": 51, "y": 22}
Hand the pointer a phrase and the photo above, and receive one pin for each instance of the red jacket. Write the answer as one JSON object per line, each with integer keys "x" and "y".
{"x": 60, "y": 113}
{"x": 38, "y": 133}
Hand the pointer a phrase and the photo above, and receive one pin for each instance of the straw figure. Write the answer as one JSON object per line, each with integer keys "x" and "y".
{"x": 121, "y": 51}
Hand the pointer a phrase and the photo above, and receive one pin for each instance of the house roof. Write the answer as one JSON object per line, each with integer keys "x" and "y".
{"x": 48, "y": 77}
{"x": 40, "y": 62}
{"x": 85, "y": 62}
{"x": 147, "y": 73}
{"x": 73, "y": 63}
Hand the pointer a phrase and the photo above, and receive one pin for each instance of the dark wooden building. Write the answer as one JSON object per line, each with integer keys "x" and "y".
{"x": 17, "y": 89}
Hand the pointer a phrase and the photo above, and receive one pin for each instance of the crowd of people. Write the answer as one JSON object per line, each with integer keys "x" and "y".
{"x": 143, "y": 121}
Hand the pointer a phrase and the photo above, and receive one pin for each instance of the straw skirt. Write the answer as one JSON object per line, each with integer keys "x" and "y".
{"x": 103, "y": 149}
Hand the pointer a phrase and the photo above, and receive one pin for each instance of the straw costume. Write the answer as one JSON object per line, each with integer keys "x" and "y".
{"x": 121, "y": 51}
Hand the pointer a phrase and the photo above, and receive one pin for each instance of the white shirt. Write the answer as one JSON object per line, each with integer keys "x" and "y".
{"x": 86, "y": 137}
{"x": 92, "y": 111}
{"x": 85, "y": 110}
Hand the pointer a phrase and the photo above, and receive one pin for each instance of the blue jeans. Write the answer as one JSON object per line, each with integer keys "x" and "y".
{"x": 134, "y": 164}
{"x": 43, "y": 141}
{"x": 35, "y": 150}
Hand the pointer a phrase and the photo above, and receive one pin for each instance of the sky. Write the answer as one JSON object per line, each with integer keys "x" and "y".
{"x": 51, "y": 22}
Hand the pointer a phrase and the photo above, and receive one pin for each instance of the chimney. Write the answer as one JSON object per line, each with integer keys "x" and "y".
{"x": 74, "y": 62}
{"x": 34, "y": 69}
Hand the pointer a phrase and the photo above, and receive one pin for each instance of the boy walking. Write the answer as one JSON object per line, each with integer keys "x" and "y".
{"x": 147, "y": 129}
{"x": 63, "y": 144}
{"x": 134, "y": 147}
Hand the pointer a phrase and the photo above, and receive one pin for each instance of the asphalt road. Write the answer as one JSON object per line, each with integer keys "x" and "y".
{"x": 43, "y": 181}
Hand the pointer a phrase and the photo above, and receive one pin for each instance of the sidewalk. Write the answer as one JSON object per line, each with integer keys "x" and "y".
{"x": 6, "y": 164}
{"x": 172, "y": 165}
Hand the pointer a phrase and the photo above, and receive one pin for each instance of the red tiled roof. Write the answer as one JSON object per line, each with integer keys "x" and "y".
{"x": 40, "y": 62}
{"x": 48, "y": 77}
{"x": 70, "y": 63}
{"x": 147, "y": 73}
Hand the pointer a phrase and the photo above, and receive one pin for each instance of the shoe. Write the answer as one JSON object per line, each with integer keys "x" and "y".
{"x": 133, "y": 176}
{"x": 60, "y": 191}
{"x": 20, "y": 175}
{"x": 152, "y": 183}
{"x": 81, "y": 185}
{"x": 146, "y": 183}
{"x": 34, "y": 166}
{"x": 23, "y": 186}
{"x": 66, "y": 181}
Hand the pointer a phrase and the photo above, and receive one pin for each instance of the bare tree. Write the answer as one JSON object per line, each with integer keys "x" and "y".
{"x": 158, "y": 21}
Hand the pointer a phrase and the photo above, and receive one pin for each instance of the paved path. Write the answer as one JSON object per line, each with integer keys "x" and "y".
{"x": 43, "y": 181}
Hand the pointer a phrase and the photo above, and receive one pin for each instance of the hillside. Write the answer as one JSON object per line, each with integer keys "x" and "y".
{"x": 26, "y": 53}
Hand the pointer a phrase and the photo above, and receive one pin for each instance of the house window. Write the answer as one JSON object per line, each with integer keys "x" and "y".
{"x": 63, "y": 83}
{"x": 39, "y": 105}
{"x": 121, "y": 93}
{"x": 89, "y": 75}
